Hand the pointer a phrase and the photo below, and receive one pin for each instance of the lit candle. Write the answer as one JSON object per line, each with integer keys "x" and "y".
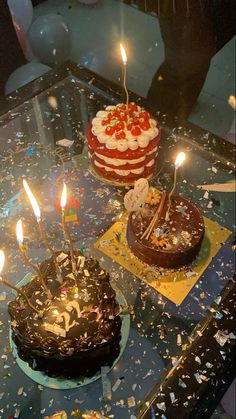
{"x": 19, "y": 291}
{"x": 66, "y": 232}
{"x": 178, "y": 161}
{"x": 37, "y": 214}
{"x": 20, "y": 239}
{"x": 124, "y": 59}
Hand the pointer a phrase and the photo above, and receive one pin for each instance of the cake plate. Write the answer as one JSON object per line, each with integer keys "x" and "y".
{"x": 61, "y": 383}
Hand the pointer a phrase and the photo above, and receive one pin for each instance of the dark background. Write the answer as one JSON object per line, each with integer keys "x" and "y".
{"x": 11, "y": 55}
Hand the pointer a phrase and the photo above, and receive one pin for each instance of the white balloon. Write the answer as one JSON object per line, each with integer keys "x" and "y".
{"x": 22, "y": 12}
{"x": 50, "y": 39}
{"x": 25, "y": 74}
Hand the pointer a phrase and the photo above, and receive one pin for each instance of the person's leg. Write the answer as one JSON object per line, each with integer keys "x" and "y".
{"x": 191, "y": 37}
{"x": 223, "y": 16}
{"x": 189, "y": 46}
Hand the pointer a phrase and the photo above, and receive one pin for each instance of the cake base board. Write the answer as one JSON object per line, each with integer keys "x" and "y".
{"x": 174, "y": 284}
{"x": 60, "y": 383}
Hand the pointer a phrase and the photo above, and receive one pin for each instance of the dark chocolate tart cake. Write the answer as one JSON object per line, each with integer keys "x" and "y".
{"x": 173, "y": 243}
{"x": 80, "y": 329}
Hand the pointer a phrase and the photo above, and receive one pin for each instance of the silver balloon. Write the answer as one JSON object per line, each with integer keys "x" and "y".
{"x": 50, "y": 39}
{"x": 22, "y": 13}
{"x": 25, "y": 74}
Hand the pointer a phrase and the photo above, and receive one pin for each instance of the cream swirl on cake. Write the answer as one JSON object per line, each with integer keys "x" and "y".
{"x": 110, "y": 125}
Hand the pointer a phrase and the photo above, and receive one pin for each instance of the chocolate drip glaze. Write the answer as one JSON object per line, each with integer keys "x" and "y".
{"x": 174, "y": 243}
{"x": 80, "y": 329}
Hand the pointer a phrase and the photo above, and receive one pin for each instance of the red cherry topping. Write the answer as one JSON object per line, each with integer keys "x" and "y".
{"x": 119, "y": 126}
{"x": 105, "y": 121}
{"x": 120, "y": 135}
{"x": 143, "y": 114}
{"x": 135, "y": 121}
{"x": 110, "y": 130}
{"x": 145, "y": 125}
{"x": 133, "y": 106}
{"x": 136, "y": 131}
{"x": 116, "y": 113}
{"x": 129, "y": 126}
{"x": 122, "y": 116}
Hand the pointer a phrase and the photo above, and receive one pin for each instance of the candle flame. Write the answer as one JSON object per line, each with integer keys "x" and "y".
{"x": 123, "y": 54}
{"x": 19, "y": 231}
{"x": 32, "y": 199}
{"x": 63, "y": 196}
{"x": 179, "y": 159}
{"x": 2, "y": 260}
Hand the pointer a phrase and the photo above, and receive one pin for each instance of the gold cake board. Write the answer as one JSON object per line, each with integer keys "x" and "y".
{"x": 172, "y": 284}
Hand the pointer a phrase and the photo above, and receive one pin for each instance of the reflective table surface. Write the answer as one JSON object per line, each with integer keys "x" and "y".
{"x": 31, "y": 147}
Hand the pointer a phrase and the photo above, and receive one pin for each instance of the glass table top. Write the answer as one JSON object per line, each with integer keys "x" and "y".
{"x": 43, "y": 140}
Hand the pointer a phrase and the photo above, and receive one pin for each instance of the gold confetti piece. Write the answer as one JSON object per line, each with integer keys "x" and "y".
{"x": 198, "y": 377}
{"x": 58, "y": 415}
{"x": 221, "y": 337}
{"x": 20, "y": 391}
{"x": 131, "y": 402}
{"x": 86, "y": 273}
{"x": 179, "y": 340}
{"x": 52, "y": 101}
{"x": 232, "y": 102}
{"x": 3, "y": 296}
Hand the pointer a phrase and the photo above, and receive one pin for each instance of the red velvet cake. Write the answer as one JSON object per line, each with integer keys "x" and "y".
{"x": 123, "y": 144}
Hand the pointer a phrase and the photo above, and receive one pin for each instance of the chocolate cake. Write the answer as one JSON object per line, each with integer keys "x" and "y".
{"x": 80, "y": 327}
{"x": 171, "y": 244}
{"x": 123, "y": 143}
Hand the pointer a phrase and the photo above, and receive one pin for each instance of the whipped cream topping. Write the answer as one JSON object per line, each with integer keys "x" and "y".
{"x": 133, "y": 138}
{"x": 124, "y": 172}
{"x": 119, "y": 162}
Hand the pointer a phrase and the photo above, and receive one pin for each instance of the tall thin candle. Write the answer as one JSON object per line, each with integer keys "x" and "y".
{"x": 20, "y": 239}
{"x": 43, "y": 236}
{"x": 19, "y": 291}
{"x": 124, "y": 59}
{"x": 178, "y": 161}
{"x": 66, "y": 232}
